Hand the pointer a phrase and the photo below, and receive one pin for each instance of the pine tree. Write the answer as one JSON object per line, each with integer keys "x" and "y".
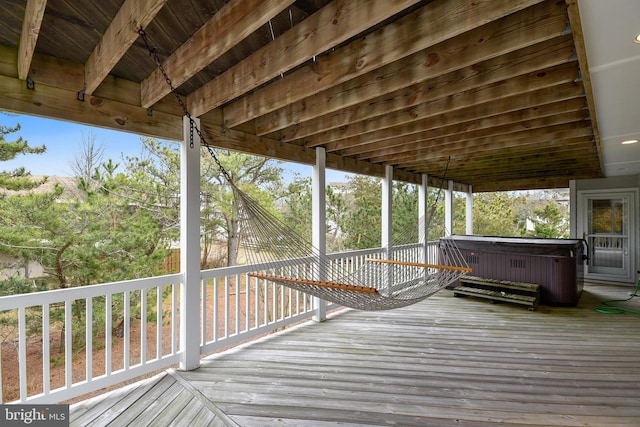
{"x": 18, "y": 179}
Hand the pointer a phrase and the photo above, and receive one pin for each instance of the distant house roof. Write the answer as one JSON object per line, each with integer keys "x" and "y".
{"x": 69, "y": 184}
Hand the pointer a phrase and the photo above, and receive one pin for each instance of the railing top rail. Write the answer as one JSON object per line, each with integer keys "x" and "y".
{"x": 60, "y": 295}
{"x": 246, "y": 268}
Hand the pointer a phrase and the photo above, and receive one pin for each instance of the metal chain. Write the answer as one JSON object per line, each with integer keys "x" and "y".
{"x": 153, "y": 52}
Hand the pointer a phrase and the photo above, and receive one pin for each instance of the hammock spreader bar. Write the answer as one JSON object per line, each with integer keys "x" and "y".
{"x": 419, "y": 264}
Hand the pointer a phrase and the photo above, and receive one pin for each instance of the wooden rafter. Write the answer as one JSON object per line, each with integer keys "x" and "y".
{"x": 232, "y": 24}
{"x": 123, "y": 31}
{"x": 581, "y": 51}
{"x": 34, "y": 12}
{"x": 332, "y": 25}
{"x": 530, "y": 59}
{"x": 404, "y": 37}
{"x": 499, "y": 91}
{"x": 499, "y": 38}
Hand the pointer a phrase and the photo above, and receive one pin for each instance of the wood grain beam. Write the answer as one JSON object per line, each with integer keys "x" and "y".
{"x": 581, "y": 51}
{"x": 454, "y": 112}
{"x": 397, "y": 40}
{"x": 118, "y": 38}
{"x": 498, "y": 38}
{"x": 440, "y": 128}
{"x": 262, "y": 146}
{"x": 61, "y": 104}
{"x": 533, "y": 58}
{"x": 330, "y": 26}
{"x": 462, "y": 101}
{"x": 390, "y": 148}
{"x": 578, "y": 149}
{"x": 553, "y": 167}
{"x": 491, "y": 144}
{"x": 33, "y": 14}
{"x": 230, "y": 25}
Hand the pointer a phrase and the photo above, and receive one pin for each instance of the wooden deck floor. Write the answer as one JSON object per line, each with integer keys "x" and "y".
{"x": 444, "y": 362}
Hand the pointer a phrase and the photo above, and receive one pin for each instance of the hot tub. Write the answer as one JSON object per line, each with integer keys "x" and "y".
{"x": 557, "y": 265}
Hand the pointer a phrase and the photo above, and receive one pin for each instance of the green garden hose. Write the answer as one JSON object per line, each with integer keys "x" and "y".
{"x": 609, "y": 308}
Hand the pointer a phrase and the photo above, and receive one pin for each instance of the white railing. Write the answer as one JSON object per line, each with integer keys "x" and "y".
{"x": 236, "y": 307}
{"x": 71, "y": 333}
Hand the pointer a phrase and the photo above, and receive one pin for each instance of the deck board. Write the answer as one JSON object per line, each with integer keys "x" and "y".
{"x": 445, "y": 361}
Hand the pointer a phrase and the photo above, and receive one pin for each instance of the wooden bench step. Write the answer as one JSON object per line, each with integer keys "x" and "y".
{"x": 499, "y": 290}
{"x": 497, "y": 295}
{"x": 528, "y": 287}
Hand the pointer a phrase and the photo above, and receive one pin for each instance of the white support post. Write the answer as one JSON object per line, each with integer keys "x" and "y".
{"x": 387, "y": 199}
{"x": 319, "y": 225}
{"x": 190, "y": 248}
{"x": 448, "y": 209}
{"x": 387, "y": 222}
{"x": 423, "y": 216}
{"x": 469, "y": 211}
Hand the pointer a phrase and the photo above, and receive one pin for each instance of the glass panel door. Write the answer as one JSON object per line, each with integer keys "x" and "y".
{"x": 608, "y": 234}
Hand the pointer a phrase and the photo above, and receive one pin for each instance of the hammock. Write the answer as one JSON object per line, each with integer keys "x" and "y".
{"x": 281, "y": 256}
{"x": 379, "y": 282}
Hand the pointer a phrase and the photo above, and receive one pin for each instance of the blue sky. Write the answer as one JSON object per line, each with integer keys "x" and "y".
{"x": 64, "y": 142}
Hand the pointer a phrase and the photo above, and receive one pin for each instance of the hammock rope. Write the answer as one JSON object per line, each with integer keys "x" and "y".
{"x": 384, "y": 280}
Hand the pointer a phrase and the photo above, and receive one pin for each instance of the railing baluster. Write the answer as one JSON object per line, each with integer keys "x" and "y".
{"x": 256, "y": 298}
{"x": 143, "y": 326}
{"x": 22, "y": 351}
{"x": 159, "y": 322}
{"x": 127, "y": 329}
{"x": 237, "y": 332}
{"x": 88, "y": 345}
{"x": 174, "y": 319}
{"x": 46, "y": 362}
{"x": 68, "y": 343}
{"x": 108, "y": 331}
{"x": 226, "y": 306}
{"x": 247, "y": 302}
{"x": 203, "y": 313}
{"x": 216, "y": 323}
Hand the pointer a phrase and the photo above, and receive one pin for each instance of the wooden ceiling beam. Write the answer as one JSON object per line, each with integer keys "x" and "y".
{"x": 510, "y": 155}
{"x": 395, "y": 41}
{"x": 34, "y": 12}
{"x": 117, "y": 39}
{"x": 533, "y": 58}
{"x": 444, "y": 122}
{"x": 487, "y": 144}
{"x": 460, "y": 54}
{"x": 381, "y": 151}
{"x": 581, "y": 52}
{"x": 557, "y": 168}
{"x": 330, "y": 26}
{"x": 62, "y": 104}
{"x": 580, "y": 144}
{"x": 579, "y": 153}
{"x": 517, "y": 118}
{"x": 445, "y": 111}
{"x": 230, "y": 25}
{"x": 232, "y": 139}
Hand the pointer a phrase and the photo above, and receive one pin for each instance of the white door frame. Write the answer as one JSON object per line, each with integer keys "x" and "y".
{"x": 626, "y": 274}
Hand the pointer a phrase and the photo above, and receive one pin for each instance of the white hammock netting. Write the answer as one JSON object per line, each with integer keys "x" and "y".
{"x": 381, "y": 282}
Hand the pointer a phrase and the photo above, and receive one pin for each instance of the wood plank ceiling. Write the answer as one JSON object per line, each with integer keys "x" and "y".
{"x": 500, "y": 87}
